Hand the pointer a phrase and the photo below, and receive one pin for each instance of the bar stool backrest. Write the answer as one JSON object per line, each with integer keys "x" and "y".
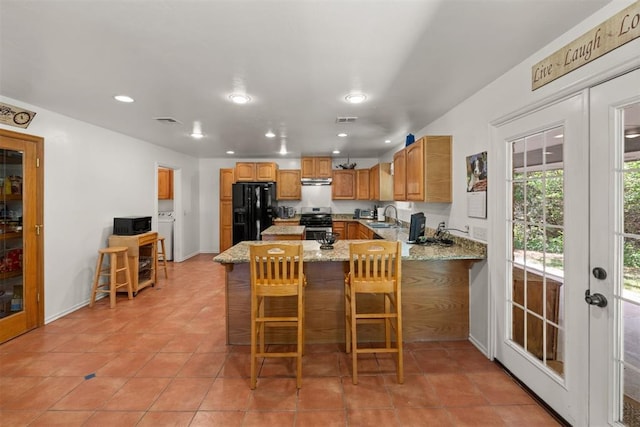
{"x": 276, "y": 269}
{"x": 375, "y": 266}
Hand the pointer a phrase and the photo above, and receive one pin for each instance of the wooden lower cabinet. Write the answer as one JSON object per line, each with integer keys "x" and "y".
{"x": 226, "y": 225}
{"x": 142, "y": 253}
{"x": 535, "y": 303}
{"x": 435, "y": 303}
{"x": 339, "y": 227}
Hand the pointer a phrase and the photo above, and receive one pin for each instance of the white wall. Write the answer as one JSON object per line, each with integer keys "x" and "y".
{"x": 91, "y": 176}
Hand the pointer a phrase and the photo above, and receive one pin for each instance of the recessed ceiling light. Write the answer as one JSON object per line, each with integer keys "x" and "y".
{"x": 336, "y": 151}
{"x": 270, "y": 134}
{"x": 355, "y": 98}
{"x": 239, "y": 98}
{"x": 197, "y": 135}
{"x": 123, "y": 98}
{"x": 560, "y": 135}
{"x": 342, "y": 134}
{"x": 387, "y": 141}
{"x": 231, "y": 152}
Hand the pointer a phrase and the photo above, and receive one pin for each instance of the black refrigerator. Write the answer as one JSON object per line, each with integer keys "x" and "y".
{"x": 254, "y": 208}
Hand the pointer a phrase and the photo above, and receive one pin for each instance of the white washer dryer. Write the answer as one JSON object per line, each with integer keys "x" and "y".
{"x": 165, "y": 229}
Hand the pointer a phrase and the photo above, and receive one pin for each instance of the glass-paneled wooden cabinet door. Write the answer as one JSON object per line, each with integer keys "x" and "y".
{"x": 21, "y": 234}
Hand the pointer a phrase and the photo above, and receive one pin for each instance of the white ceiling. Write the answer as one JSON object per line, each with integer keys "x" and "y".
{"x": 296, "y": 59}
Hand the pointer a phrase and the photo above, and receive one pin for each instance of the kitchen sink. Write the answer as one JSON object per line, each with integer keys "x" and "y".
{"x": 382, "y": 225}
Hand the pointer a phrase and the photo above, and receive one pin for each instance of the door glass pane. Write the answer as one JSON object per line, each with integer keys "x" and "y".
{"x": 628, "y": 294}
{"x": 11, "y": 244}
{"x": 537, "y": 256}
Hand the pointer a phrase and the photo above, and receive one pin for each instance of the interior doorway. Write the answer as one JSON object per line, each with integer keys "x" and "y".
{"x": 168, "y": 203}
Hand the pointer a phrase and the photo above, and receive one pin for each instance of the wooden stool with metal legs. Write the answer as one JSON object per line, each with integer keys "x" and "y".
{"x": 118, "y": 269}
{"x": 161, "y": 258}
{"x": 276, "y": 272}
{"x": 373, "y": 295}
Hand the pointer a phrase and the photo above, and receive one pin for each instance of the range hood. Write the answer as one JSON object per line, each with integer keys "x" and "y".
{"x": 315, "y": 181}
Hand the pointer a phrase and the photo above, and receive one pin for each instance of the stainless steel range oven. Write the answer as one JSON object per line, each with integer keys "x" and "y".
{"x": 317, "y": 221}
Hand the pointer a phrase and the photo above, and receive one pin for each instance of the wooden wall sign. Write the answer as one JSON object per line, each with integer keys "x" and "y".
{"x": 611, "y": 34}
{"x": 14, "y": 116}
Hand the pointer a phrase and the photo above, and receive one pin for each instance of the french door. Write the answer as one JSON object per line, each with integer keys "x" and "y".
{"x": 540, "y": 254}
{"x": 21, "y": 252}
{"x": 566, "y": 263}
{"x": 615, "y": 252}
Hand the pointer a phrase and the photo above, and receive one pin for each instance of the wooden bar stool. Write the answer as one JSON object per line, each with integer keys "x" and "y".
{"x": 161, "y": 258}
{"x": 118, "y": 268}
{"x": 276, "y": 272}
{"x": 374, "y": 270}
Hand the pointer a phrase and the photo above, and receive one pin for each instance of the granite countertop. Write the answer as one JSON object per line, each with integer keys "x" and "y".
{"x": 462, "y": 249}
{"x": 279, "y": 230}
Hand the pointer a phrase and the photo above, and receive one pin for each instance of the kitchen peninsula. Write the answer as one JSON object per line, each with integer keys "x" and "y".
{"x": 435, "y": 290}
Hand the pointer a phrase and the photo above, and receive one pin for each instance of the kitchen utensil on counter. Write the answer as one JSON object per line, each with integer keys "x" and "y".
{"x": 327, "y": 239}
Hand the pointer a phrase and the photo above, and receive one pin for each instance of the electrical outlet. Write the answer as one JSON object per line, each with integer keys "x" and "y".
{"x": 480, "y": 233}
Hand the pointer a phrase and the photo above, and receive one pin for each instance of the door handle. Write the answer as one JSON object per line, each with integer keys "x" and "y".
{"x": 595, "y": 299}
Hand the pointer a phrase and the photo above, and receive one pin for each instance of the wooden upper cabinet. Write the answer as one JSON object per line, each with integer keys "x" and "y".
{"x": 261, "y": 171}
{"x": 226, "y": 209}
{"x": 288, "y": 184}
{"x": 266, "y": 171}
{"x": 165, "y": 184}
{"x": 381, "y": 182}
{"x": 343, "y": 186}
{"x": 400, "y": 175}
{"x": 316, "y": 167}
{"x": 362, "y": 184}
{"x": 245, "y": 171}
{"x": 226, "y": 181}
{"x": 428, "y": 170}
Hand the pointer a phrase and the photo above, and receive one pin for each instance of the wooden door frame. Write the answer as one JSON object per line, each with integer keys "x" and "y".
{"x": 39, "y": 205}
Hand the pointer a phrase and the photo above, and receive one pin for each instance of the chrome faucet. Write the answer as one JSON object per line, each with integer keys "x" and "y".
{"x": 396, "y": 211}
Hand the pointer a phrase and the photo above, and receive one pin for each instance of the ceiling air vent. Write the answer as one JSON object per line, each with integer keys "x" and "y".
{"x": 168, "y": 120}
{"x": 346, "y": 119}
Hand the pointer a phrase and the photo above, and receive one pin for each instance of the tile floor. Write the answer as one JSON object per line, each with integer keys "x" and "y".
{"x": 161, "y": 360}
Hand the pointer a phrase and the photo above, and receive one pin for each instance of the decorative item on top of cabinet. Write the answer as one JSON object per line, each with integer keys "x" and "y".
{"x": 288, "y": 187}
{"x": 165, "y": 184}
{"x": 381, "y": 182}
{"x": 254, "y": 172}
{"x": 362, "y": 184}
{"x": 316, "y": 167}
{"x": 343, "y": 186}
{"x": 226, "y": 208}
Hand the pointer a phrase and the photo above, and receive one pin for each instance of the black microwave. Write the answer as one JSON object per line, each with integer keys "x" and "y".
{"x": 131, "y": 225}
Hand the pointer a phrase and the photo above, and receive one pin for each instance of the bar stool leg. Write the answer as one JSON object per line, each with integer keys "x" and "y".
{"x": 113, "y": 280}
{"x": 96, "y": 280}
